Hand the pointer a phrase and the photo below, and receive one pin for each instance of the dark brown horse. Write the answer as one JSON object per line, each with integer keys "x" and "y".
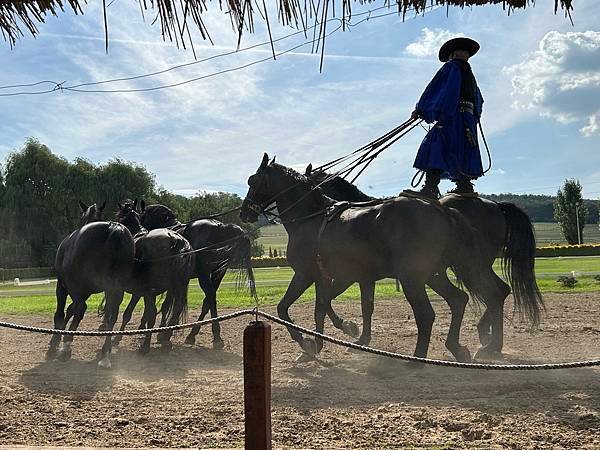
{"x": 97, "y": 257}
{"x": 501, "y": 229}
{"x": 163, "y": 263}
{"x": 406, "y": 238}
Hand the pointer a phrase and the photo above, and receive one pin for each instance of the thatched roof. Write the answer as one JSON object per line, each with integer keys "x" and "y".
{"x": 176, "y": 16}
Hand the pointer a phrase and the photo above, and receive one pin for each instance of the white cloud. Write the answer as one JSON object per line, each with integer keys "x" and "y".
{"x": 562, "y": 79}
{"x": 430, "y": 41}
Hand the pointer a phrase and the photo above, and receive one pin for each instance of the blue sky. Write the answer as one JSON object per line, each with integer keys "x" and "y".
{"x": 539, "y": 75}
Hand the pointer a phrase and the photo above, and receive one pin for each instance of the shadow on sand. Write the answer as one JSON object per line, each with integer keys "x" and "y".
{"x": 374, "y": 381}
{"x": 83, "y": 379}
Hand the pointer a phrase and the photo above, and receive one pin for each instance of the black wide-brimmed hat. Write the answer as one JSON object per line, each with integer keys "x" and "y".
{"x": 459, "y": 43}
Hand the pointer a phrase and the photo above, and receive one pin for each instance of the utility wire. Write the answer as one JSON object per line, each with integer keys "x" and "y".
{"x": 76, "y": 88}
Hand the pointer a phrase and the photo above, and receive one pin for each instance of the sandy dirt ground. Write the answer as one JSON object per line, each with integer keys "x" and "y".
{"x": 192, "y": 397}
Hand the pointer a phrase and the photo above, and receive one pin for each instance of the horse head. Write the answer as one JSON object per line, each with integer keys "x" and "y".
{"x": 258, "y": 192}
{"x": 157, "y": 216}
{"x": 92, "y": 213}
{"x": 128, "y": 216}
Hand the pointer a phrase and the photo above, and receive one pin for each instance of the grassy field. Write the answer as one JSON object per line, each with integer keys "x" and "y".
{"x": 271, "y": 284}
{"x": 275, "y": 236}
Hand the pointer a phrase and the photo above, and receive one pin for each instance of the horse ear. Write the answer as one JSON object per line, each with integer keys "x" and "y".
{"x": 264, "y": 161}
{"x": 103, "y": 206}
{"x": 83, "y": 206}
{"x": 135, "y": 204}
{"x": 308, "y": 170}
{"x": 119, "y": 205}
{"x": 143, "y": 205}
{"x": 273, "y": 160}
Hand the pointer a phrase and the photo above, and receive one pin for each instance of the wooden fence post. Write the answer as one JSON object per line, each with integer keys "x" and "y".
{"x": 257, "y": 386}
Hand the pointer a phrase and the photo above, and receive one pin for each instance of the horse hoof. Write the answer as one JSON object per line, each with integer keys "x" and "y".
{"x": 309, "y": 346}
{"x": 485, "y": 339}
{"x": 305, "y": 357}
{"x": 191, "y": 340}
{"x": 350, "y": 328}
{"x": 463, "y": 355}
{"x": 144, "y": 350}
{"x": 485, "y": 353}
{"x": 51, "y": 354}
{"x": 64, "y": 355}
{"x": 218, "y": 344}
{"x": 105, "y": 362}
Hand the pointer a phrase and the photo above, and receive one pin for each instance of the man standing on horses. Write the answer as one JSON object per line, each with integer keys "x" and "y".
{"x": 453, "y": 102}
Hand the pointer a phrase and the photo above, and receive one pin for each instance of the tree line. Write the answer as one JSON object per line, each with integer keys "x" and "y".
{"x": 39, "y": 194}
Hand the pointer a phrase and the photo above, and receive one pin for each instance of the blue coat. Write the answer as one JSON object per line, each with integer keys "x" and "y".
{"x": 445, "y": 146}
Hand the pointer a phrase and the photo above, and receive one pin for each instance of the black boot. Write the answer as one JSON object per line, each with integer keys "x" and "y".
{"x": 463, "y": 187}
{"x": 430, "y": 188}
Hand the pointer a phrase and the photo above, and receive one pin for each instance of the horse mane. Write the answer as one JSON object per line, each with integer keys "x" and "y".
{"x": 288, "y": 171}
{"x": 342, "y": 187}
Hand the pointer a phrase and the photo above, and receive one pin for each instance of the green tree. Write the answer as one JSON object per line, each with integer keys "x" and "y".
{"x": 37, "y": 196}
{"x": 39, "y": 193}
{"x": 570, "y": 211}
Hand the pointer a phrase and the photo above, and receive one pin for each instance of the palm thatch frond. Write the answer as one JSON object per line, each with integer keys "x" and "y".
{"x": 177, "y": 16}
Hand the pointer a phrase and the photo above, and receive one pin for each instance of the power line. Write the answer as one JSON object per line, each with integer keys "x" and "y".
{"x": 76, "y": 88}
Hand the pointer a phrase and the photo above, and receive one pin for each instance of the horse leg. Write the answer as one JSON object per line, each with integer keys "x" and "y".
{"x": 206, "y": 285}
{"x": 367, "y": 298}
{"x": 111, "y": 314}
{"x": 78, "y": 308}
{"x": 59, "y": 319}
{"x": 325, "y": 293}
{"x": 484, "y": 327}
{"x": 127, "y": 317}
{"x": 498, "y": 291}
{"x": 216, "y": 279}
{"x": 177, "y": 309}
{"x": 457, "y": 301}
{"x": 349, "y": 327}
{"x": 424, "y": 314}
{"x": 164, "y": 311}
{"x": 150, "y": 313}
{"x": 295, "y": 289}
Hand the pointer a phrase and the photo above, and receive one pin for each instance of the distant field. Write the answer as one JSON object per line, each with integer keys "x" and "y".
{"x": 548, "y": 233}
{"x": 275, "y": 236}
{"x": 272, "y": 282}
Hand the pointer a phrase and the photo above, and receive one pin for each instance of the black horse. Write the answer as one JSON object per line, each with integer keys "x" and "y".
{"x": 406, "y": 238}
{"x": 221, "y": 246}
{"x": 163, "y": 263}
{"x": 501, "y": 229}
{"x": 97, "y": 257}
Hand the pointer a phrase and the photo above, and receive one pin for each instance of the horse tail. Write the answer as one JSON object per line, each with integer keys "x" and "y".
{"x": 122, "y": 251}
{"x": 246, "y": 274}
{"x": 183, "y": 269}
{"x": 518, "y": 262}
{"x": 463, "y": 254}
{"x": 237, "y": 253}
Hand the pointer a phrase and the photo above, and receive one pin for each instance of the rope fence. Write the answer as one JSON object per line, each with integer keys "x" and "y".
{"x": 340, "y": 342}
